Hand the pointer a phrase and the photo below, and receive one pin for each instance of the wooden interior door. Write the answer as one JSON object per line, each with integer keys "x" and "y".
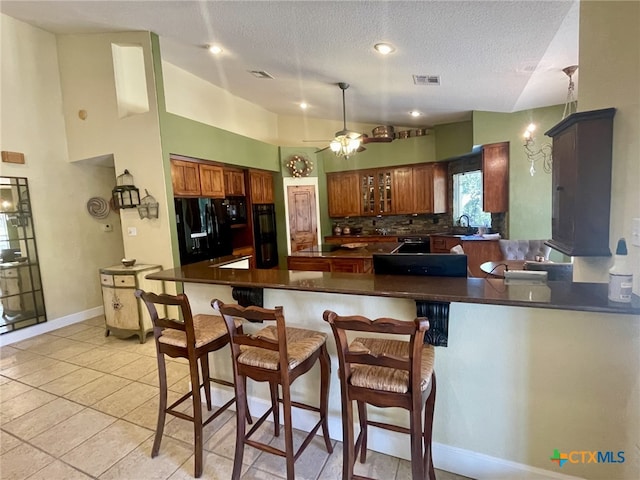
{"x": 303, "y": 225}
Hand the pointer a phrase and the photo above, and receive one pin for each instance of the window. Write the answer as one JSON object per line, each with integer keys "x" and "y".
{"x": 467, "y": 198}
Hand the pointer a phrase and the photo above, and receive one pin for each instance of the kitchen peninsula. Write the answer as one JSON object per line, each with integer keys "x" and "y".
{"x": 499, "y": 336}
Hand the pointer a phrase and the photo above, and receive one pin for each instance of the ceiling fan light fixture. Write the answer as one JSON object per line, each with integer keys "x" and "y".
{"x": 345, "y": 145}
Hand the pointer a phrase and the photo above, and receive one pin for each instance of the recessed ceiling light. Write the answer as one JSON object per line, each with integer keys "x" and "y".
{"x": 414, "y": 113}
{"x": 384, "y": 48}
{"x": 304, "y": 105}
{"x": 215, "y": 49}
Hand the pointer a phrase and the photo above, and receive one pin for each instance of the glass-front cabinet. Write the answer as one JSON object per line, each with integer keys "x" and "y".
{"x": 21, "y": 297}
{"x": 375, "y": 190}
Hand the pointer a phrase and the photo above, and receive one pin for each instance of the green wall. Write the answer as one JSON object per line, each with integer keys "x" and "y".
{"x": 399, "y": 152}
{"x": 453, "y": 139}
{"x": 529, "y": 196}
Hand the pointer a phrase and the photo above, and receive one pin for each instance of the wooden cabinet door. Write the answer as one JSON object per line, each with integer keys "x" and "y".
{"x": 211, "y": 181}
{"x": 495, "y": 177}
{"x": 440, "y": 190}
{"x": 480, "y": 251}
{"x": 233, "y": 182}
{"x": 185, "y": 178}
{"x": 565, "y": 179}
{"x": 368, "y": 192}
{"x": 422, "y": 189}
{"x": 404, "y": 191}
{"x": 385, "y": 197}
{"x": 342, "y": 194}
{"x": 261, "y": 185}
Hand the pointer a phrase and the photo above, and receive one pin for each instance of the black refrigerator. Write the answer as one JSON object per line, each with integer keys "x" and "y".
{"x": 204, "y": 229}
{"x": 264, "y": 232}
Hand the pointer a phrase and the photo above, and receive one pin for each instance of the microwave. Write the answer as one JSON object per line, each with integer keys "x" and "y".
{"x": 236, "y": 209}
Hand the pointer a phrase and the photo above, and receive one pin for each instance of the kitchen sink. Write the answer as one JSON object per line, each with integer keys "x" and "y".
{"x": 463, "y": 230}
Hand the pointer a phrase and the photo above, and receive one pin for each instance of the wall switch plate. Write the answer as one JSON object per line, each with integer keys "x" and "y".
{"x": 132, "y": 231}
{"x": 635, "y": 232}
{"x": 107, "y": 227}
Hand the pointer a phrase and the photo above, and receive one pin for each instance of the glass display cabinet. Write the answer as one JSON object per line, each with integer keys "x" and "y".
{"x": 21, "y": 297}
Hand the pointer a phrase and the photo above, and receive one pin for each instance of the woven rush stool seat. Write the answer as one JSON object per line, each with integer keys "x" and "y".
{"x": 192, "y": 338}
{"x": 389, "y": 379}
{"x": 276, "y": 354}
{"x": 385, "y": 372}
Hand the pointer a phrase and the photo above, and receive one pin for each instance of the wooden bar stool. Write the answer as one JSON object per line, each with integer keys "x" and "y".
{"x": 192, "y": 339}
{"x": 276, "y": 354}
{"x": 386, "y": 373}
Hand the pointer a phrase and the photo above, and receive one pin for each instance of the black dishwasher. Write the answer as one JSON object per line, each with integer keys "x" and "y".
{"x": 414, "y": 244}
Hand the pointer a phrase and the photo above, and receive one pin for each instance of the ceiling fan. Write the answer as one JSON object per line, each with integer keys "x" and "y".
{"x": 347, "y": 142}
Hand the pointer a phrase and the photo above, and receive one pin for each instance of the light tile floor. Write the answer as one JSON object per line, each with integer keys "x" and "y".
{"x": 75, "y": 404}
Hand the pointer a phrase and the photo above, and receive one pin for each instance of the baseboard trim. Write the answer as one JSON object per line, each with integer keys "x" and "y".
{"x": 485, "y": 467}
{"x": 452, "y": 459}
{"x": 49, "y": 326}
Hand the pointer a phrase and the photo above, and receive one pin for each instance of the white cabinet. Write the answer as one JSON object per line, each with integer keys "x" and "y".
{"x": 124, "y": 314}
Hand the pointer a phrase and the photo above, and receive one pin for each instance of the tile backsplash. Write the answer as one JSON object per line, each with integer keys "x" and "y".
{"x": 410, "y": 224}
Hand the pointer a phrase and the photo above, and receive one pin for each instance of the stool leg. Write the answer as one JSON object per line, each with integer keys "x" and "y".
{"x": 162, "y": 404}
{"x": 197, "y": 415}
{"x": 206, "y": 379}
{"x": 428, "y": 429}
{"x": 246, "y": 403}
{"x": 273, "y": 388}
{"x": 325, "y": 371}
{"x": 348, "y": 451}
{"x": 417, "y": 456}
{"x": 361, "y": 442}
{"x": 288, "y": 429}
{"x": 241, "y": 415}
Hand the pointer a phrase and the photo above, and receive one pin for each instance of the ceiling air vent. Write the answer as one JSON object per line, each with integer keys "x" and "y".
{"x": 426, "y": 79}
{"x": 260, "y": 74}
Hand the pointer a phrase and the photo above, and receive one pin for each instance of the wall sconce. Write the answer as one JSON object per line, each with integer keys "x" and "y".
{"x": 148, "y": 207}
{"x": 544, "y": 153}
{"x": 534, "y": 154}
{"x": 125, "y": 194}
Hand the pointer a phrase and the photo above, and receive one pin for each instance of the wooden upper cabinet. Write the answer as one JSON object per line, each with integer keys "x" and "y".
{"x": 185, "y": 177}
{"x": 429, "y": 188}
{"x": 440, "y": 191}
{"x": 422, "y": 189}
{"x": 194, "y": 179}
{"x": 342, "y": 194}
{"x": 211, "y": 181}
{"x": 581, "y": 180}
{"x": 404, "y": 193}
{"x": 376, "y": 191}
{"x": 495, "y": 177}
{"x": 261, "y": 186}
{"x": 233, "y": 182}
{"x": 409, "y": 189}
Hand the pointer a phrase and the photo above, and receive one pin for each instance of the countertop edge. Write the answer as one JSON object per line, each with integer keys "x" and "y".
{"x": 587, "y": 297}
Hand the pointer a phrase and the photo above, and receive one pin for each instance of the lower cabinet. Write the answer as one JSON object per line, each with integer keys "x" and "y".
{"x": 124, "y": 314}
{"x": 328, "y": 264}
{"x": 477, "y": 251}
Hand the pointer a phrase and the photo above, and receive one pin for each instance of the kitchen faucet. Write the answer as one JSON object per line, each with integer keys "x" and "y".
{"x": 468, "y": 220}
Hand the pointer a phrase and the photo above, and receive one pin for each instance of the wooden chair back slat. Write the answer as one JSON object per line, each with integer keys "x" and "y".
{"x": 391, "y": 361}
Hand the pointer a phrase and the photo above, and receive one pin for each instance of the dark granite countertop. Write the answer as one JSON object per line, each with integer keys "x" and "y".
{"x": 590, "y": 297}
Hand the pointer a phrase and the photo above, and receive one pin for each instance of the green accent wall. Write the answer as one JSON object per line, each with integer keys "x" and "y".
{"x": 530, "y": 197}
{"x": 399, "y": 152}
{"x": 453, "y": 139}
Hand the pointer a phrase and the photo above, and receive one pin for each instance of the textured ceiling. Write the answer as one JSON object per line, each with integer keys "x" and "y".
{"x": 501, "y": 56}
